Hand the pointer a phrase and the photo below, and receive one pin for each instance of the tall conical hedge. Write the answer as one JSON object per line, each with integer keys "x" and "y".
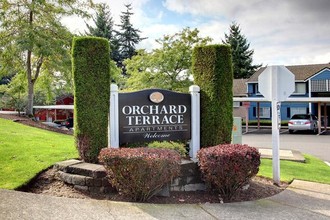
{"x": 91, "y": 72}
{"x": 213, "y": 73}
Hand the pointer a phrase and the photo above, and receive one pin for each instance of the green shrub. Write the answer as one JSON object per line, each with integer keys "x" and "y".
{"x": 178, "y": 147}
{"x": 139, "y": 173}
{"x": 213, "y": 73}
{"x": 227, "y": 168}
{"x": 91, "y": 66}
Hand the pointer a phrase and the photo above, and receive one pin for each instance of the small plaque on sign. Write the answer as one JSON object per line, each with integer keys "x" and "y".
{"x": 156, "y": 97}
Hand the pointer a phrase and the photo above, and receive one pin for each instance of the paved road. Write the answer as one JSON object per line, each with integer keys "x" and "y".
{"x": 316, "y": 145}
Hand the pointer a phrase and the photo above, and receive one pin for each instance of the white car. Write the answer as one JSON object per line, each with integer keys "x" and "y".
{"x": 303, "y": 122}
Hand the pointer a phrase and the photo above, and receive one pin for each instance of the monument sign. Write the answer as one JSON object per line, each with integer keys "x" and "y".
{"x": 155, "y": 115}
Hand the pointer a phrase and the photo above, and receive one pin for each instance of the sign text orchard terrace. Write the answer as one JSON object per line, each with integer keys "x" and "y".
{"x": 154, "y": 114}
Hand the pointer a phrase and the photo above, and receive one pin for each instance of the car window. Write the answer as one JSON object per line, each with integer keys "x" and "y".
{"x": 300, "y": 117}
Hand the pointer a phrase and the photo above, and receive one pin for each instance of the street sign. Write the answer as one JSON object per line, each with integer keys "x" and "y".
{"x": 276, "y": 83}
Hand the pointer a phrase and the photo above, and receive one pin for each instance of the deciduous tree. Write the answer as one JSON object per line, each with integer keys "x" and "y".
{"x": 14, "y": 93}
{"x": 169, "y": 66}
{"x": 33, "y": 40}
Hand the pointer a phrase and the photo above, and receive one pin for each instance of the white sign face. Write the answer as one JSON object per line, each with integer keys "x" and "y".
{"x": 276, "y": 83}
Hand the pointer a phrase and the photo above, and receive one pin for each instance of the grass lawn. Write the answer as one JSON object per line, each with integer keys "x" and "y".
{"x": 314, "y": 170}
{"x": 25, "y": 151}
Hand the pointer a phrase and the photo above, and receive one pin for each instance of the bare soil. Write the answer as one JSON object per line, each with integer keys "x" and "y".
{"x": 49, "y": 183}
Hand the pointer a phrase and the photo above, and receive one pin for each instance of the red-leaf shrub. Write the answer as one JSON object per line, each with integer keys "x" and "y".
{"x": 140, "y": 173}
{"x": 228, "y": 167}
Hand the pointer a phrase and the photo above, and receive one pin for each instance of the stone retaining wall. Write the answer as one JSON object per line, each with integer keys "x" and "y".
{"x": 93, "y": 178}
{"x": 189, "y": 179}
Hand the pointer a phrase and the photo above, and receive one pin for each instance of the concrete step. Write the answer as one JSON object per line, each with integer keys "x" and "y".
{"x": 84, "y": 176}
{"x": 80, "y": 168}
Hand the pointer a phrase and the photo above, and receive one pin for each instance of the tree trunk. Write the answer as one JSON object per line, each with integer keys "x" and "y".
{"x": 29, "y": 109}
{"x": 31, "y": 81}
{"x": 19, "y": 107}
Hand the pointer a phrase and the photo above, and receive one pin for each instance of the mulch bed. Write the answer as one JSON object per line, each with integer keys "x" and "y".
{"x": 49, "y": 183}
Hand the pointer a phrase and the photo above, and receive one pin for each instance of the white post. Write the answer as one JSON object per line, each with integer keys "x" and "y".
{"x": 114, "y": 120}
{"x": 195, "y": 121}
{"x": 246, "y": 119}
{"x": 276, "y": 108}
{"x": 309, "y": 95}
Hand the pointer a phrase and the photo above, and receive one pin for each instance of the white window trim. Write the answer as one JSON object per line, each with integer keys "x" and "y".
{"x": 256, "y": 88}
{"x": 299, "y": 93}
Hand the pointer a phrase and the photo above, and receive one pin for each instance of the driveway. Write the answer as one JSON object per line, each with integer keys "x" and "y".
{"x": 316, "y": 145}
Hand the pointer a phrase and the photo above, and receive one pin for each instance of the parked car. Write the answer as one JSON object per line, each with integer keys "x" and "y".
{"x": 69, "y": 123}
{"x": 52, "y": 124}
{"x": 303, "y": 122}
{"x": 59, "y": 122}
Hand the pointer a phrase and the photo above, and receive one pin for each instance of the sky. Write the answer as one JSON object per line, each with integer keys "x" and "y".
{"x": 281, "y": 32}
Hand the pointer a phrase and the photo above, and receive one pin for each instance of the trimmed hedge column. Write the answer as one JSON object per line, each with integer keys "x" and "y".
{"x": 91, "y": 71}
{"x": 213, "y": 73}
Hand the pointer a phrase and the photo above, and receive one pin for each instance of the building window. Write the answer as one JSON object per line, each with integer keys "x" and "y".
{"x": 264, "y": 112}
{"x": 236, "y": 104}
{"x": 300, "y": 88}
{"x": 298, "y": 110}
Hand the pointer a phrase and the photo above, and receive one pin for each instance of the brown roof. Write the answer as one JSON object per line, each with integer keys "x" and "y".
{"x": 239, "y": 87}
{"x": 301, "y": 72}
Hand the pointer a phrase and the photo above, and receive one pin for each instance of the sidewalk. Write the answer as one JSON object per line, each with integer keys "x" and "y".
{"x": 301, "y": 200}
{"x": 291, "y": 155}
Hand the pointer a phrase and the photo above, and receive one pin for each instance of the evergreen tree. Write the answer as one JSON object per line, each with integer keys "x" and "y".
{"x": 103, "y": 22}
{"x": 128, "y": 37}
{"x": 241, "y": 54}
{"x": 104, "y": 28}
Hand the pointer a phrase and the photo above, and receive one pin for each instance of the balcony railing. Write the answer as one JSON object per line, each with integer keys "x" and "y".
{"x": 320, "y": 85}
